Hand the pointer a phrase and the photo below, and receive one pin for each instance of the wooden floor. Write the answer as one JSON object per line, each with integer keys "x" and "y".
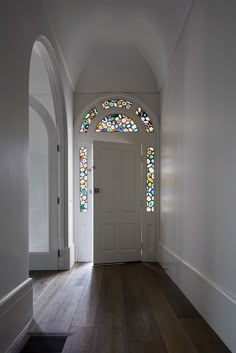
{"x": 131, "y": 308}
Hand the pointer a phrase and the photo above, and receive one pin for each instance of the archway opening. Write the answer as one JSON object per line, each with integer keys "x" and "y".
{"x": 46, "y": 101}
{"x": 43, "y": 167}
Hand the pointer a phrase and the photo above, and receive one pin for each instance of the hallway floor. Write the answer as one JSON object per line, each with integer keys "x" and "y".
{"x": 131, "y": 308}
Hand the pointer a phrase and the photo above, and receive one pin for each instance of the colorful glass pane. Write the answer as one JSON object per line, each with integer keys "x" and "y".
{"x": 88, "y": 119}
{"x": 145, "y": 119}
{"x": 117, "y": 123}
{"x": 116, "y": 103}
{"x": 83, "y": 172}
{"x": 150, "y": 195}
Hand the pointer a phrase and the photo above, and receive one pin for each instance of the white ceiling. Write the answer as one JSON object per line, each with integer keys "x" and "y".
{"x": 89, "y": 31}
{"x": 116, "y": 68}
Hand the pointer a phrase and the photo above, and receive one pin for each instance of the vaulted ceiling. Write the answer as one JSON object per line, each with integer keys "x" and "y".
{"x": 100, "y": 39}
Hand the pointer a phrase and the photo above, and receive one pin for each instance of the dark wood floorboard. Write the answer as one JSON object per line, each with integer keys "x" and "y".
{"x": 131, "y": 308}
{"x": 41, "y": 280}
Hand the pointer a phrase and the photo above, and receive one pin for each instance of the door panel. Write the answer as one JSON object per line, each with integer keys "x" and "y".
{"x": 108, "y": 241}
{"x": 117, "y": 213}
{"x": 130, "y": 242}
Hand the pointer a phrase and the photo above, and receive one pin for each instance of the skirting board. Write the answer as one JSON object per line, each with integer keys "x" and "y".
{"x": 217, "y": 306}
{"x": 69, "y": 257}
{"x": 16, "y": 311}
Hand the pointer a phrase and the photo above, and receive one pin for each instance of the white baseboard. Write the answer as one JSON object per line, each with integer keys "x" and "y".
{"x": 20, "y": 340}
{"x": 69, "y": 257}
{"x": 16, "y": 311}
{"x": 216, "y": 305}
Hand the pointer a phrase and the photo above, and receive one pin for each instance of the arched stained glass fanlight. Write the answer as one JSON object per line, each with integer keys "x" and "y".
{"x": 116, "y": 103}
{"x": 145, "y": 119}
{"x": 88, "y": 119}
{"x": 116, "y": 123}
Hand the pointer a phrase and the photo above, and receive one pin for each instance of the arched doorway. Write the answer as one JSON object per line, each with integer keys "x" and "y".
{"x": 47, "y": 115}
{"x": 116, "y": 128}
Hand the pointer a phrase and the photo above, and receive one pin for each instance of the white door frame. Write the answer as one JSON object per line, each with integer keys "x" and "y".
{"x": 83, "y": 223}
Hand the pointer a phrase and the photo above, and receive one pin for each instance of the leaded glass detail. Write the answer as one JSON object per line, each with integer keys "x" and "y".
{"x": 88, "y": 119}
{"x": 150, "y": 195}
{"x": 83, "y": 174}
{"x": 116, "y": 103}
{"x": 145, "y": 119}
{"x": 117, "y": 123}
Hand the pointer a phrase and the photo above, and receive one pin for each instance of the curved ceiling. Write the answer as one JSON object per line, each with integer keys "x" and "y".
{"x": 150, "y": 29}
{"x": 116, "y": 67}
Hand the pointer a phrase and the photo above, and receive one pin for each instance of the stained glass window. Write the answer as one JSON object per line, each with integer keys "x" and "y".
{"x": 150, "y": 195}
{"x": 116, "y": 103}
{"x": 88, "y": 119}
{"x": 83, "y": 179}
{"x": 117, "y": 123}
{"x": 145, "y": 119}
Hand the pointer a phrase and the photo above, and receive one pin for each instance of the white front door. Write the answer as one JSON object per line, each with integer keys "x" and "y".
{"x": 117, "y": 202}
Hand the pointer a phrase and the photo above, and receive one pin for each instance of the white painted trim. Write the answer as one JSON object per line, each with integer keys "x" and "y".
{"x": 220, "y": 289}
{"x": 16, "y": 311}
{"x": 13, "y": 293}
{"x": 214, "y": 303}
{"x": 69, "y": 256}
{"x": 20, "y": 340}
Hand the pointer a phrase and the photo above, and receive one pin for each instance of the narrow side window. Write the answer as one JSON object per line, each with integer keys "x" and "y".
{"x": 150, "y": 183}
{"x": 83, "y": 179}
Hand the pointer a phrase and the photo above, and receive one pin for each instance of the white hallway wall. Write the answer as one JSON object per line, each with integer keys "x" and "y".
{"x": 16, "y": 43}
{"x": 198, "y": 165}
